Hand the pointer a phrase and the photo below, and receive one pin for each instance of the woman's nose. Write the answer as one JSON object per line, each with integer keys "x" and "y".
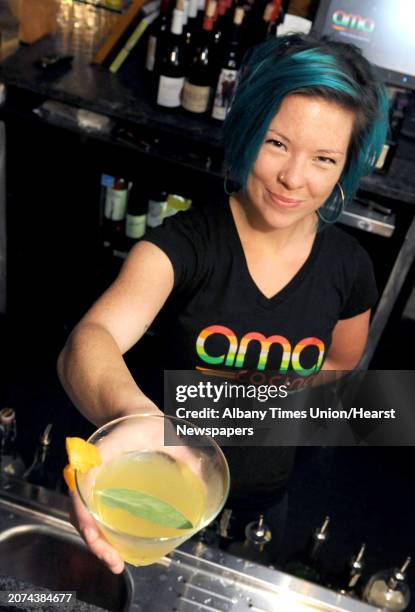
{"x": 292, "y": 175}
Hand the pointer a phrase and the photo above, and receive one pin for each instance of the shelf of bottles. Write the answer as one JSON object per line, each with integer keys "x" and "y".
{"x": 195, "y": 49}
{"x": 128, "y": 211}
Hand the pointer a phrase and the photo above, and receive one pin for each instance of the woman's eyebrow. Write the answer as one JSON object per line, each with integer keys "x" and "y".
{"x": 330, "y": 151}
{"x": 280, "y": 135}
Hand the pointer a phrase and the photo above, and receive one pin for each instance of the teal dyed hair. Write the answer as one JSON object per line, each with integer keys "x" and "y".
{"x": 298, "y": 64}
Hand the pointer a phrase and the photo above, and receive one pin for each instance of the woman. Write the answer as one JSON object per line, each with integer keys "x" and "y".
{"x": 261, "y": 270}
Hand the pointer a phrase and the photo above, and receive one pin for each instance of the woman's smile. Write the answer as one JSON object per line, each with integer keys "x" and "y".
{"x": 282, "y": 201}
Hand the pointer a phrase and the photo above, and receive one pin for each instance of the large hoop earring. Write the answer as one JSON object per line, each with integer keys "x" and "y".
{"x": 234, "y": 186}
{"x": 225, "y": 186}
{"x": 333, "y": 205}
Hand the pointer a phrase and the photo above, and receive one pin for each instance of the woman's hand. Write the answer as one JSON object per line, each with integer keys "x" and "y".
{"x": 87, "y": 527}
{"x": 144, "y": 433}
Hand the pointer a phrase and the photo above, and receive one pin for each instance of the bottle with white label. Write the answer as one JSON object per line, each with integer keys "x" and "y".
{"x": 157, "y": 204}
{"x": 171, "y": 63}
{"x": 201, "y": 77}
{"x": 227, "y": 82}
{"x": 115, "y": 209}
{"x": 135, "y": 224}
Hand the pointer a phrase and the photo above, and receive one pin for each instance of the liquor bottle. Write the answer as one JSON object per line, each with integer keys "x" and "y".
{"x": 157, "y": 203}
{"x": 158, "y": 33}
{"x": 254, "y": 547}
{"x": 201, "y": 76}
{"x": 306, "y": 563}
{"x": 42, "y": 472}
{"x": 10, "y": 461}
{"x": 226, "y": 86}
{"x": 347, "y": 581}
{"x": 115, "y": 209}
{"x": 171, "y": 63}
{"x": 135, "y": 224}
{"x": 388, "y": 589}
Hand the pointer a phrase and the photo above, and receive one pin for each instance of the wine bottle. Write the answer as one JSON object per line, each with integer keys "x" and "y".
{"x": 157, "y": 36}
{"x": 190, "y": 33}
{"x": 306, "y": 563}
{"x": 42, "y": 471}
{"x": 10, "y": 461}
{"x": 276, "y": 18}
{"x": 186, "y": 6}
{"x": 251, "y": 9}
{"x": 220, "y": 30}
{"x": 115, "y": 209}
{"x": 156, "y": 207}
{"x": 263, "y": 25}
{"x": 171, "y": 66}
{"x": 226, "y": 86}
{"x": 135, "y": 224}
{"x": 199, "y": 82}
{"x": 201, "y": 7}
{"x": 228, "y": 20}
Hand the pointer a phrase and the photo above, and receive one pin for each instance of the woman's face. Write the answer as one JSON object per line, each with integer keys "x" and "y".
{"x": 300, "y": 161}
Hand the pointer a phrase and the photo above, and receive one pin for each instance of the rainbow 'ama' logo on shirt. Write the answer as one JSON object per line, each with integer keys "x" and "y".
{"x": 235, "y": 356}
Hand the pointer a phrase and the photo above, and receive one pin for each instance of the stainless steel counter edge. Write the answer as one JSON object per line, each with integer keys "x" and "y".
{"x": 206, "y": 573}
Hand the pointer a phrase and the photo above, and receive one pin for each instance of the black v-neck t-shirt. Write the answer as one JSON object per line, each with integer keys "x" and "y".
{"x": 217, "y": 319}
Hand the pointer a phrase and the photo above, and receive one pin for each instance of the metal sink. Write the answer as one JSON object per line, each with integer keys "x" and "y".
{"x": 53, "y": 559}
{"x": 39, "y": 546}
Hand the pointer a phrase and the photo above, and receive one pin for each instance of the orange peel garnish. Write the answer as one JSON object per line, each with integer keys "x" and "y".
{"x": 69, "y": 477}
{"x": 82, "y": 457}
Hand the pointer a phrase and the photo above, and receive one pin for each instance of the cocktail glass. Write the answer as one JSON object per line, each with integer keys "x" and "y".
{"x": 190, "y": 475}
